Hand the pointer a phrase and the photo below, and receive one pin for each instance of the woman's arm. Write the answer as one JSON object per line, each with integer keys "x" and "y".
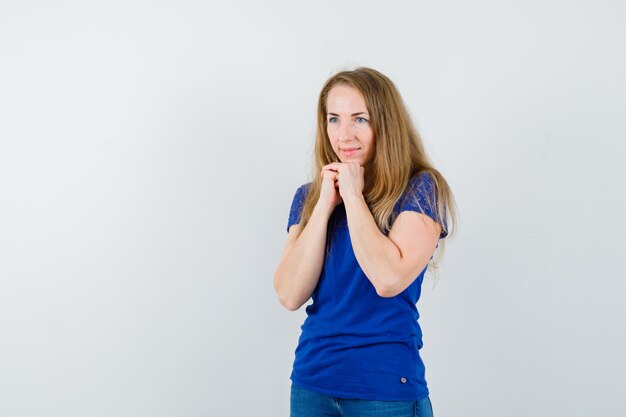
{"x": 390, "y": 263}
{"x": 301, "y": 263}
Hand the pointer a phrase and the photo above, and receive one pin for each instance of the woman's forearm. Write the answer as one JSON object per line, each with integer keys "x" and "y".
{"x": 376, "y": 254}
{"x": 299, "y": 269}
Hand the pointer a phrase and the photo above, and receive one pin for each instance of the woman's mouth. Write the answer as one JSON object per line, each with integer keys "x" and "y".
{"x": 349, "y": 151}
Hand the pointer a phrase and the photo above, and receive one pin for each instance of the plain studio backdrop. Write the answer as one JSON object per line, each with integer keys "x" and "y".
{"x": 149, "y": 153}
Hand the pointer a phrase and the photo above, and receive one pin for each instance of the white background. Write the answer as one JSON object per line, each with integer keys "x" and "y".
{"x": 149, "y": 152}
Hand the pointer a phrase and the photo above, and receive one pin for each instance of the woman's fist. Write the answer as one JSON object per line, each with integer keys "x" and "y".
{"x": 329, "y": 194}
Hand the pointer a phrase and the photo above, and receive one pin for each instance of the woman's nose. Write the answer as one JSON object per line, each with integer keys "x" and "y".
{"x": 346, "y": 131}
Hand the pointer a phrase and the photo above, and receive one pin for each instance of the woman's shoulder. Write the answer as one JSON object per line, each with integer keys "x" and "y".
{"x": 420, "y": 192}
{"x": 305, "y": 185}
{"x": 420, "y": 184}
{"x": 422, "y": 179}
{"x": 304, "y": 189}
{"x": 301, "y": 194}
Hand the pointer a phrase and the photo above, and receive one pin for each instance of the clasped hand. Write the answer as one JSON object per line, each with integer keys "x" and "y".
{"x": 341, "y": 181}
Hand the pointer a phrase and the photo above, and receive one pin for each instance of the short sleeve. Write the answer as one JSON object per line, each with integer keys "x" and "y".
{"x": 421, "y": 196}
{"x": 295, "y": 212}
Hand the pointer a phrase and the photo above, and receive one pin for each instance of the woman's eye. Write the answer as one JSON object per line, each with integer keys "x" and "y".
{"x": 361, "y": 120}
{"x": 332, "y": 120}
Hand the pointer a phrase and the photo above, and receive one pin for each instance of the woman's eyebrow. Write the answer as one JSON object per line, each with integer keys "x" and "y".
{"x": 353, "y": 114}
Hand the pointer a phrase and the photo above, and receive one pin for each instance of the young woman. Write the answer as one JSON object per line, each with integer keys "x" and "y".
{"x": 361, "y": 235}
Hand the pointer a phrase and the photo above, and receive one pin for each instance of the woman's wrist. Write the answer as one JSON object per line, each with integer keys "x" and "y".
{"x": 352, "y": 198}
{"x": 322, "y": 210}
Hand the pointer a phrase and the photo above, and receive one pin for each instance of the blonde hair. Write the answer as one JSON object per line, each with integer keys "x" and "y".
{"x": 399, "y": 154}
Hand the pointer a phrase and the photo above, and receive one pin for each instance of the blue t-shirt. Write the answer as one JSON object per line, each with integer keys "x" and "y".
{"x": 354, "y": 343}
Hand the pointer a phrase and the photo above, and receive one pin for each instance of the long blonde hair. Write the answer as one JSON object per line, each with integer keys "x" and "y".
{"x": 398, "y": 156}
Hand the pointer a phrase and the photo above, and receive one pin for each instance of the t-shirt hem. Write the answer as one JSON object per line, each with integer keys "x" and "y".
{"x": 421, "y": 394}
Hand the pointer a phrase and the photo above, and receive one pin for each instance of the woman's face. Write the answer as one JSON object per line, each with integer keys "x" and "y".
{"x": 348, "y": 125}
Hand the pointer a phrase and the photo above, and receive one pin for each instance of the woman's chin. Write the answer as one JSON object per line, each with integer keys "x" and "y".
{"x": 346, "y": 160}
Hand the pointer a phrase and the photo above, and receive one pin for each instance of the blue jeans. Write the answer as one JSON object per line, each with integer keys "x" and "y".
{"x": 305, "y": 403}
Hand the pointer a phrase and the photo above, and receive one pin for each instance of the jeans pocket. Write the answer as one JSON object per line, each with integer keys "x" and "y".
{"x": 423, "y": 408}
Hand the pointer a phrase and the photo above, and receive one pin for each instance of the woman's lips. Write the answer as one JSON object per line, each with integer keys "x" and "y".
{"x": 349, "y": 151}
